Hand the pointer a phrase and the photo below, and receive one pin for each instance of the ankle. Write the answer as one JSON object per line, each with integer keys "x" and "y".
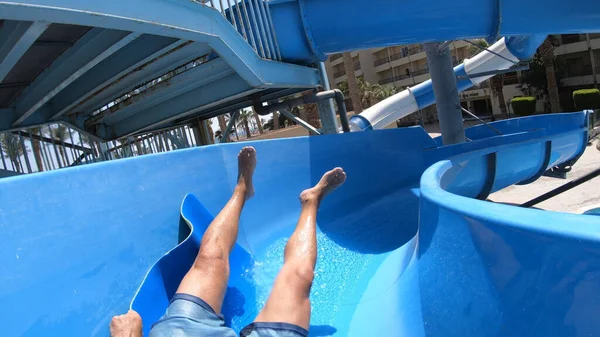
{"x": 240, "y": 188}
{"x": 310, "y": 197}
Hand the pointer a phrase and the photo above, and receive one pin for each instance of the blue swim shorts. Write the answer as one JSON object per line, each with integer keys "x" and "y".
{"x": 189, "y": 315}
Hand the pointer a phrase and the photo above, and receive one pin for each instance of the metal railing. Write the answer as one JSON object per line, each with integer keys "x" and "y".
{"x": 585, "y": 70}
{"x": 45, "y": 148}
{"x": 392, "y": 57}
{"x": 421, "y": 72}
{"x": 155, "y": 142}
{"x": 394, "y": 79}
{"x": 397, "y": 56}
{"x": 252, "y": 19}
{"x": 415, "y": 50}
{"x": 570, "y": 38}
{"x": 511, "y": 78}
{"x": 52, "y": 147}
{"x": 381, "y": 61}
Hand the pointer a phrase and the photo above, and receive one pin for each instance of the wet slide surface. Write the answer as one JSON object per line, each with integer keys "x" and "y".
{"x": 85, "y": 250}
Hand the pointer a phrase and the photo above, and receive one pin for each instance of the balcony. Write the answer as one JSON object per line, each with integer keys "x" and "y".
{"x": 511, "y": 78}
{"x": 393, "y": 79}
{"x": 580, "y": 76}
{"x": 585, "y": 70}
{"x": 421, "y": 72}
{"x": 397, "y": 56}
{"x": 415, "y": 50}
{"x": 392, "y": 58}
{"x": 570, "y": 38}
{"x": 381, "y": 61}
{"x": 335, "y": 57}
{"x": 339, "y": 73}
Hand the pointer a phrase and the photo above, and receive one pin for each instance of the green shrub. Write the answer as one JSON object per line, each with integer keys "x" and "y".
{"x": 586, "y": 99}
{"x": 523, "y": 106}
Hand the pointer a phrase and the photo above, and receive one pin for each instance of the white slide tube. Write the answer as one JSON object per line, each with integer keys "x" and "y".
{"x": 500, "y": 56}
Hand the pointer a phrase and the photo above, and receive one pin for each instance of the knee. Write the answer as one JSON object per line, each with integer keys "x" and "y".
{"x": 305, "y": 274}
{"x": 211, "y": 256}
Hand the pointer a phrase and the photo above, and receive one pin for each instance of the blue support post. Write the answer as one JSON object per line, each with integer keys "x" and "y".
{"x": 326, "y": 108}
{"x": 446, "y": 93}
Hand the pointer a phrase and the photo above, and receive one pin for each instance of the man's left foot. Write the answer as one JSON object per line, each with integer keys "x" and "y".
{"x": 128, "y": 325}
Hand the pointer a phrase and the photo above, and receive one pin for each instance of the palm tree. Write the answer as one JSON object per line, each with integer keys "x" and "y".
{"x": 352, "y": 85}
{"x": 37, "y": 149}
{"x": 12, "y": 149}
{"x": 243, "y": 120}
{"x": 384, "y": 92}
{"x": 275, "y": 120}
{"x": 497, "y": 85}
{"x": 368, "y": 93}
{"x": 211, "y": 135}
{"x": 546, "y": 51}
{"x": 59, "y": 134}
{"x": 309, "y": 113}
{"x": 258, "y": 121}
{"x": 222, "y": 123}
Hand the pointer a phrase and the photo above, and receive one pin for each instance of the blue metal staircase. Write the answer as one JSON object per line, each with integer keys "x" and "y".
{"x": 119, "y": 68}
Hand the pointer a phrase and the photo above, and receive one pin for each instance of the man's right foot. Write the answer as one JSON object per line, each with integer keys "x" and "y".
{"x": 246, "y": 165}
{"x": 329, "y": 182}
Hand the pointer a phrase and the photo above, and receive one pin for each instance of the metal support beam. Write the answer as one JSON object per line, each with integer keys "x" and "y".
{"x": 230, "y": 126}
{"x": 308, "y": 99}
{"x": 91, "y": 49}
{"x": 147, "y": 72}
{"x": 300, "y": 121}
{"x": 446, "y": 93}
{"x": 132, "y": 58}
{"x": 326, "y": 108}
{"x": 191, "y": 102}
{"x": 562, "y": 189}
{"x": 164, "y": 91}
{"x": 482, "y": 121}
{"x": 15, "y": 39}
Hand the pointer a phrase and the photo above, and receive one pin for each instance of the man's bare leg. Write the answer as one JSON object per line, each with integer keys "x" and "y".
{"x": 289, "y": 300}
{"x": 207, "y": 279}
{"x": 128, "y": 325}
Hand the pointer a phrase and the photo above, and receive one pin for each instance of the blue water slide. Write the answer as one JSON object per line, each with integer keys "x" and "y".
{"x": 394, "y": 259}
{"x": 311, "y": 29}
